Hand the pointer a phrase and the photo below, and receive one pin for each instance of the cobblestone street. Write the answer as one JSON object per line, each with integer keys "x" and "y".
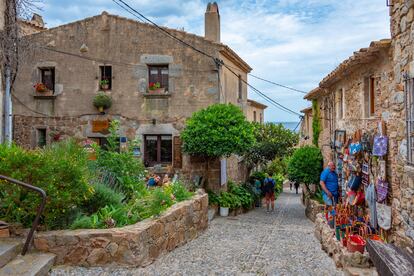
{"x": 256, "y": 243}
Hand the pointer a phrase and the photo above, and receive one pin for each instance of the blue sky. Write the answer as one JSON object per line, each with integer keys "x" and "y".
{"x": 292, "y": 42}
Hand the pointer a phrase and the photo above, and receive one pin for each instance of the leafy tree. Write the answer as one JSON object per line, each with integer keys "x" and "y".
{"x": 219, "y": 130}
{"x": 305, "y": 165}
{"x": 272, "y": 141}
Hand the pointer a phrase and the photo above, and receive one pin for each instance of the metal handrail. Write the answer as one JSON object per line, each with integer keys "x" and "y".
{"x": 39, "y": 210}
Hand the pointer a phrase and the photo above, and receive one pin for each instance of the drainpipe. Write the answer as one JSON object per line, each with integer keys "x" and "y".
{"x": 8, "y": 116}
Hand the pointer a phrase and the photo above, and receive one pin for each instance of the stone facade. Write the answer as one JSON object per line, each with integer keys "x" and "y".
{"x": 306, "y": 134}
{"x": 134, "y": 245}
{"x": 255, "y": 111}
{"x": 344, "y": 105}
{"x": 77, "y": 51}
{"x": 2, "y": 17}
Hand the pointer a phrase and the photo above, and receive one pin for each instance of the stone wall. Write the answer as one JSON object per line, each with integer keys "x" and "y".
{"x": 133, "y": 245}
{"x": 402, "y": 32}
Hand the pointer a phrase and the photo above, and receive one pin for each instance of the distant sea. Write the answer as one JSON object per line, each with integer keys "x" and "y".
{"x": 289, "y": 125}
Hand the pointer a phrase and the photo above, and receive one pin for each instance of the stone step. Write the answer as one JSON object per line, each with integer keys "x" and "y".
{"x": 9, "y": 249}
{"x": 32, "y": 264}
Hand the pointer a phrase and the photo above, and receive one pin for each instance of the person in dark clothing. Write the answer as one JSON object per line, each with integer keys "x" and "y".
{"x": 269, "y": 190}
{"x": 296, "y": 187}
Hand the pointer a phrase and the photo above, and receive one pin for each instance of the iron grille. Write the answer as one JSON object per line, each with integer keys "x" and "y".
{"x": 409, "y": 107}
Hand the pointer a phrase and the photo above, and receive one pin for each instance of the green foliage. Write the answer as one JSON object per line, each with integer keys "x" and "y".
{"x": 278, "y": 166}
{"x": 260, "y": 175}
{"x": 179, "y": 191}
{"x": 272, "y": 141}
{"x": 279, "y": 178}
{"x": 127, "y": 170}
{"x": 213, "y": 198}
{"x": 305, "y": 165}
{"x": 229, "y": 200}
{"x": 219, "y": 130}
{"x": 316, "y": 122}
{"x": 102, "y": 196}
{"x": 104, "y": 82}
{"x": 60, "y": 169}
{"x": 102, "y": 100}
{"x": 318, "y": 196}
{"x": 245, "y": 197}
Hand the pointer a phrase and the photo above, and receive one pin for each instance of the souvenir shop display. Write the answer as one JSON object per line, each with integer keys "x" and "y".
{"x": 363, "y": 212}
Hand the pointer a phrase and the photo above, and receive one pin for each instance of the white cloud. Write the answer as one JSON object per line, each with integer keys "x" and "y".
{"x": 293, "y": 42}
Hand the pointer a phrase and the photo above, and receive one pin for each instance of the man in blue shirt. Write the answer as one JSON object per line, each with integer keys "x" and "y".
{"x": 329, "y": 184}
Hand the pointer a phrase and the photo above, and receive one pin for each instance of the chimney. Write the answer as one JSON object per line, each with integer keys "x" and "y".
{"x": 212, "y": 22}
{"x": 38, "y": 20}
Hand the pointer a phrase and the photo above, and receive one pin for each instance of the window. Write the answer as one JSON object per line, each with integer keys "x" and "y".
{"x": 102, "y": 142}
{"x": 261, "y": 117}
{"x": 340, "y": 104}
{"x": 159, "y": 73}
{"x": 369, "y": 97}
{"x": 240, "y": 88}
{"x": 106, "y": 74}
{"x": 409, "y": 104}
{"x": 254, "y": 116}
{"x": 41, "y": 137}
{"x": 48, "y": 78}
{"x": 158, "y": 149}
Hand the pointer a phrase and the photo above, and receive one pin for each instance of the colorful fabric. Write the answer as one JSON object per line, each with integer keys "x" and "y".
{"x": 371, "y": 198}
{"x": 355, "y": 148}
{"x": 380, "y": 145}
{"x": 382, "y": 190}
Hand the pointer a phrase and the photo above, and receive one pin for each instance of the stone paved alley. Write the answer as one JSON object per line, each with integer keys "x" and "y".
{"x": 256, "y": 243}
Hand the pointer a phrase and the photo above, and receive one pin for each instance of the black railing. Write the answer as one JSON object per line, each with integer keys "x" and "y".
{"x": 39, "y": 210}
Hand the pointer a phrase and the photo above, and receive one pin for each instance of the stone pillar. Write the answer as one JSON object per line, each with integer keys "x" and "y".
{"x": 212, "y": 22}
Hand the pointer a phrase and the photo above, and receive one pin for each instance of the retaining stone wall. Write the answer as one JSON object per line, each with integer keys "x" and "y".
{"x": 134, "y": 245}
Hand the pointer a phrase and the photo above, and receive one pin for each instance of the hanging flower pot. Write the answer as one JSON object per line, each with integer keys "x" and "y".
{"x": 102, "y": 101}
{"x": 104, "y": 84}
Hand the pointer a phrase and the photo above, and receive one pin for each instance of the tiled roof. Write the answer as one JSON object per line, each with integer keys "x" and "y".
{"x": 363, "y": 56}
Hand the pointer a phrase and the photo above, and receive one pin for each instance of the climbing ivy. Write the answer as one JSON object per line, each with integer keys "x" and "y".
{"x": 316, "y": 122}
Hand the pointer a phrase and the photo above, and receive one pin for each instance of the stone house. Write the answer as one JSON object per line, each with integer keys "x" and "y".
{"x": 72, "y": 60}
{"x": 255, "y": 111}
{"x": 2, "y": 17}
{"x": 305, "y": 131}
{"x": 374, "y": 89}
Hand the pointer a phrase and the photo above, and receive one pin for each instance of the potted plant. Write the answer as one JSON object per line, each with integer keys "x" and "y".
{"x": 104, "y": 84}
{"x": 225, "y": 201}
{"x": 102, "y": 101}
{"x": 40, "y": 87}
{"x": 155, "y": 87}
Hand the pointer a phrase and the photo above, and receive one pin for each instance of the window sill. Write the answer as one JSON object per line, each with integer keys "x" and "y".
{"x": 44, "y": 96}
{"x": 157, "y": 94}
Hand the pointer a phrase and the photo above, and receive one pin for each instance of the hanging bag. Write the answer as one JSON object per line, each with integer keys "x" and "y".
{"x": 355, "y": 148}
{"x": 380, "y": 147}
{"x": 354, "y": 182}
{"x": 382, "y": 190}
{"x": 384, "y": 216}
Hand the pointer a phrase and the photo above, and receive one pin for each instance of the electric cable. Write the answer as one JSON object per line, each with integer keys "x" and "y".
{"x": 278, "y": 84}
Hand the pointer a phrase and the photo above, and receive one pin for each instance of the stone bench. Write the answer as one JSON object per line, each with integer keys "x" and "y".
{"x": 389, "y": 259}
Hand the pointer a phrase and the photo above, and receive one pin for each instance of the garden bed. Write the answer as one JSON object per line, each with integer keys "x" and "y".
{"x": 134, "y": 245}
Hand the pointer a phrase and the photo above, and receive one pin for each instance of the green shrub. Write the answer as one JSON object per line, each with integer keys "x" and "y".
{"x": 180, "y": 192}
{"x": 279, "y": 178}
{"x": 305, "y": 165}
{"x": 244, "y": 196}
{"x": 277, "y": 166}
{"x": 260, "y": 175}
{"x": 85, "y": 222}
{"x": 213, "y": 198}
{"x": 102, "y": 100}
{"x": 60, "y": 169}
{"x": 102, "y": 196}
{"x": 316, "y": 123}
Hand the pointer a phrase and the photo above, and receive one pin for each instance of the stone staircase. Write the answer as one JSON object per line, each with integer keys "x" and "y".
{"x": 14, "y": 264}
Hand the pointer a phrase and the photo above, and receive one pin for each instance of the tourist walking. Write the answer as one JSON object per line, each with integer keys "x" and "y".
{"x": 269, "y": 190}
{"x": 329, "y": 184}
{"x": 297, "y": 187}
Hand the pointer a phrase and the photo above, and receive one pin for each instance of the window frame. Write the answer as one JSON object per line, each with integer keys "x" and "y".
{"x": 42, "y": 77}
{"x": 240, "y": 95}
{"x": 409, "y": 109}
{"x": 158, "y": 149}
{"x": 40, "y": 130}
{"x": 159, "y": 67}
{"x": 102, "y": 75}
{"x": 254, "y": 116}
{"x": 371, "y": 97}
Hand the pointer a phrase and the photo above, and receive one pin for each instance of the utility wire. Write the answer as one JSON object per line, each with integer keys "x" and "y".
{"x": 301, "y": 119}
{"x": 278, "y": 84}
{"x": 208, "y": 55}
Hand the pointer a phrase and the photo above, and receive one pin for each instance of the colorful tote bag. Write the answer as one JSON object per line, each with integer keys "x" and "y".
{"x": 380, "y": 146}
{"x": 382, "y": 190}
{"x": 354, "y": 182}
{"x": 355, "y": 148}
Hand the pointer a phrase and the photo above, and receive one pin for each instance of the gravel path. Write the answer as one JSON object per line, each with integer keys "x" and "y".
{"x": 256, "y": 243}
